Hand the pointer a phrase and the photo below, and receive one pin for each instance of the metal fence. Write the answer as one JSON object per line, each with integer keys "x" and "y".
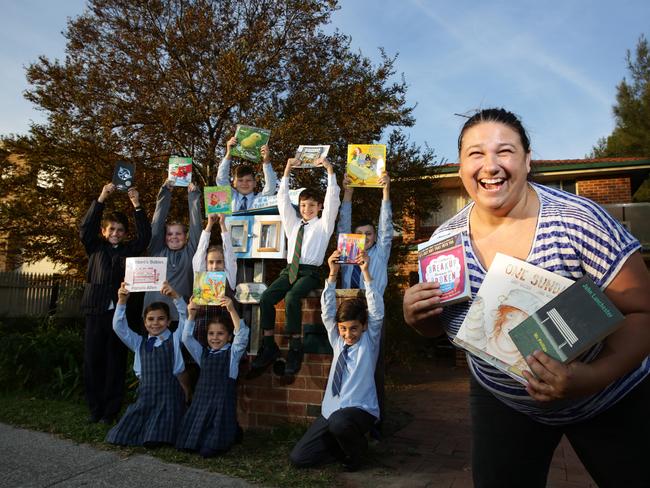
{"x": 32, "y": 294}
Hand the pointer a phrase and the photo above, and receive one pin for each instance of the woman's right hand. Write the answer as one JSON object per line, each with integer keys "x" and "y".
{"x": 421, "y": 306}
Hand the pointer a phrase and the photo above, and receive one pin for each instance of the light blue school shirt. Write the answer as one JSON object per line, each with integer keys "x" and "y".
{"x": 133, "y": 340}
{"x": 358, "y": 382}
{"x": 379, "y": 254}
{"x": 238, "y": 346}
{"x": 270, "y": 184}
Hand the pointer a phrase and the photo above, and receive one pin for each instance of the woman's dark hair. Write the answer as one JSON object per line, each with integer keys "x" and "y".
{"x": 222, "y": 319}
{"x": 500, "y": 115}
{"x": 354, "y": 309}
{"x": 156, "y": 306}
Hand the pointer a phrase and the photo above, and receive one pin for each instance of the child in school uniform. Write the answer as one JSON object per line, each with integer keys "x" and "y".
{"x": 210, "y": 424}
{"x": 308, "y": 236}
{"x": 171, "y": 240}
{"x": 349, "y": 408}
{"x": 102, "y": 236}
{"x": 214, "y": 257}
{"x": 154, "y": 418}
{"x": 243, "y": 179}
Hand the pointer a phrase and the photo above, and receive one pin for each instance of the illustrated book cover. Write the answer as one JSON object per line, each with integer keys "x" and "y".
{"x": 350, "y": 245}
{"x": 218, "y": 199}
{"x": 569, "y": 324}
{"x": 249, "y": 293}
{"x": 307, "y": 155}
{"x": 123, "y": 175}
{"x": 180, "y": 170}
{"x": 249, "y": 142}
{"x": 145, "y": 274}
{"x": 209, "y": 287}
{"x": 511, "y": 291}
{"x": 366, "y": 164}
{"x": 442, "y": 259}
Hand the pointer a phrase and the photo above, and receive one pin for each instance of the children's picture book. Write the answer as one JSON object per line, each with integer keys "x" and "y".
{"x": 307, "y": 155}
{"x": 442, "y": 259}
{"x": 218, "y": 199}
{"x": 209, "y": 287}
{"x": 145, "y": 274}
{"x": 249, "y": 293}
{"x": 350, "y": 245}
{"x": 270, "y": 201}
{"x": 249, "y": 142}
{"x": 366, "y": 164}
{"x": 569, "y": 324}
{"x": 123, "y": 175}
{"x": 511, "y": 291}
{"x": 180, "y": 170}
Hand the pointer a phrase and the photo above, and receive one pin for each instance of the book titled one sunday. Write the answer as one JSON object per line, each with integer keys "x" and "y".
{"x": 307, "y": 155}
{"x": 366, "y": 164}
{"x": 511, "y": 291}
{"x": 145, "y": 274}
{"x": 123, "y": 175}
{"x": 350, "y": 246}
{"x": 442, "y": 259}
{"x": 180, "y": 170}
{"x": 209, "y": 287}
{"x": 569, "y": 324}
{"x": 218, "y": 199}
{"x": 249, "y": 142}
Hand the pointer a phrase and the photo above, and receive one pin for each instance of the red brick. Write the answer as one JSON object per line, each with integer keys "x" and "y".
{"x": 314, "y": 383}
{"x": 315, "y": 370}
{"x": 318, "y": 358}
{"x": 261, "y": 406}
{"x": 267, "y": 420}
{"x": 298, "y": 382}
{"x": 290, "y": 409}
{"x": 305, "y": 396}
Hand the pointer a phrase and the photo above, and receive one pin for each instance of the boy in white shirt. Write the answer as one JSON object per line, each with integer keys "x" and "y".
{"x": 308, "y": 236}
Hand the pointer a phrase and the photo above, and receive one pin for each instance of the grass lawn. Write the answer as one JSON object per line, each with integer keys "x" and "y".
{"x": 262, "y": 457}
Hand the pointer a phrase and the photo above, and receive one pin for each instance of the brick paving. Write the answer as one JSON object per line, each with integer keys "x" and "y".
{"x": 431, "y": 446}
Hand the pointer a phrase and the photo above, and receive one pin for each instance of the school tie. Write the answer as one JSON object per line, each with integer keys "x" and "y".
{"x": 355, "y": 279}
{"x": 340, "y": 369}
{"x": 244, "y": 203}
{"x": 295, "y": 260}
{"x": 149, "y": 345}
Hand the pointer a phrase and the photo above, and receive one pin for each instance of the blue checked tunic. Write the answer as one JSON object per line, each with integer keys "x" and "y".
{"x": 574, "y": 237}
{"x": 157, "y": 412}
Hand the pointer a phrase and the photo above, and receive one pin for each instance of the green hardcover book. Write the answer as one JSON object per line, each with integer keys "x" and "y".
{"x": 249, "y": 142}
{"x": 569, "y": 324}
{"x": 218, "y": 199}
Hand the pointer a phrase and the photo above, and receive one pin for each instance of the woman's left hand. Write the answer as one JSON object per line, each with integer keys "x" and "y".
{"x": 554, "y": 380}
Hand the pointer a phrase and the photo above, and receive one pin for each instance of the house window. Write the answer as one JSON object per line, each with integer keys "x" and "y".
{"x": 566, "y": 185}
{"x": 451, "y": 202}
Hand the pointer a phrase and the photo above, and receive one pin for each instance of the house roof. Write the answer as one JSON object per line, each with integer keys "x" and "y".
{"x": 572, "y": 165}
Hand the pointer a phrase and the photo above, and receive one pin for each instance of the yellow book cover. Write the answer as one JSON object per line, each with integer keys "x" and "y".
{"x": 366, "y": 164}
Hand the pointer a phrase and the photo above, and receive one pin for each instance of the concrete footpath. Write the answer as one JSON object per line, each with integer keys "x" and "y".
{"x": 35, "y": 459}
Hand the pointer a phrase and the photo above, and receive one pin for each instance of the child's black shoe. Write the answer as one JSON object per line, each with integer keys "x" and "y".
{"x": 265, "y": 356}
{"x": 294, "y": 358}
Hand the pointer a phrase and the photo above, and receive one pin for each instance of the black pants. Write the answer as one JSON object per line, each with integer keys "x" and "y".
{"x": 104, "y": 366}
{"x": 509, "y": 449}
{"x": 341, "y": 436}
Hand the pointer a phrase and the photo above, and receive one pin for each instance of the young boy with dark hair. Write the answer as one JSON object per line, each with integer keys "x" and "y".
{"x": 104, "y": 353}
{"x": 308, "y": 236}
{"x": 243, "y": 181}
{"x": 349, "y": 408}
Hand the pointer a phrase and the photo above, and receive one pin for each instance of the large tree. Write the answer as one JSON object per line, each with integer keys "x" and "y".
{"x": 145, "y": 79}
{"x": 631, "y": 135}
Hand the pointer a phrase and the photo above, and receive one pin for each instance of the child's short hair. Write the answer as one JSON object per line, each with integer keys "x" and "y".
{"x": 214, "y": 248}
{"x": 156, "y": 306}
{"x": 118, "y": 217}
{"x": 309, "y": 194}
{"x": 176, "y": 222}
{"x": 352, "y": 309}
{"x": 244, "y": 170}
{"x": 363, "y": 223}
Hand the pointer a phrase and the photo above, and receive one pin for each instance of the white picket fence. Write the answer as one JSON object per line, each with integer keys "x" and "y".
{"x": 23, "y": 294}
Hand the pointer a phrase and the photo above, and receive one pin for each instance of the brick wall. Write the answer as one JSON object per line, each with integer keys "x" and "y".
{"x": 606, "y": 190}
{"x": 269, "y": 400}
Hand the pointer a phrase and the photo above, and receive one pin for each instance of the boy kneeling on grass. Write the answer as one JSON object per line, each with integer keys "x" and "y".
{"x": 349, "y": 408}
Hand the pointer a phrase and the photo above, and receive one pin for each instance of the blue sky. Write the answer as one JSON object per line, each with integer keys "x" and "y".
{"x": 554, "y": 63}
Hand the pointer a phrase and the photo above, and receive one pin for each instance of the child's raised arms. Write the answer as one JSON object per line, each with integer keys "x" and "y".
{"x": 107, "y": 189}
{"x": 226, "y": 301}
{"x": 363, "y": 260}
{"x": 334, "y": 265}
{"x": 168, "y": 291}
{"x": 122, "y": 294}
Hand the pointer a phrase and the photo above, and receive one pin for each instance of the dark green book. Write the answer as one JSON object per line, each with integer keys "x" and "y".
{"x": 569, "y": 324}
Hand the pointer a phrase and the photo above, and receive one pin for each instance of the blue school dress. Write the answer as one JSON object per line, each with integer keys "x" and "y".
{"x": 157, "y": 412}
{"x": 211, "y": 420}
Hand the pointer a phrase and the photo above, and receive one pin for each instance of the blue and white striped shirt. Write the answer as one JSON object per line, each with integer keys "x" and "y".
{"x": 574, "y": 237}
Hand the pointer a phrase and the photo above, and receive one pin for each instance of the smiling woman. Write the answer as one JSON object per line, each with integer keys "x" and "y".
{"x": 602, "y": 395}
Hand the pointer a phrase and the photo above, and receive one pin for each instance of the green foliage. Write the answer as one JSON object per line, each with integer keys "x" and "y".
{"x": 631, "y": 136}
{"x": 43, "y": 357}
{"x": 144, "y": 80}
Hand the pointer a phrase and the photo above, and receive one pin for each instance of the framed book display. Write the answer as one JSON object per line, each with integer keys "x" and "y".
{"x": 268, "y": 238}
